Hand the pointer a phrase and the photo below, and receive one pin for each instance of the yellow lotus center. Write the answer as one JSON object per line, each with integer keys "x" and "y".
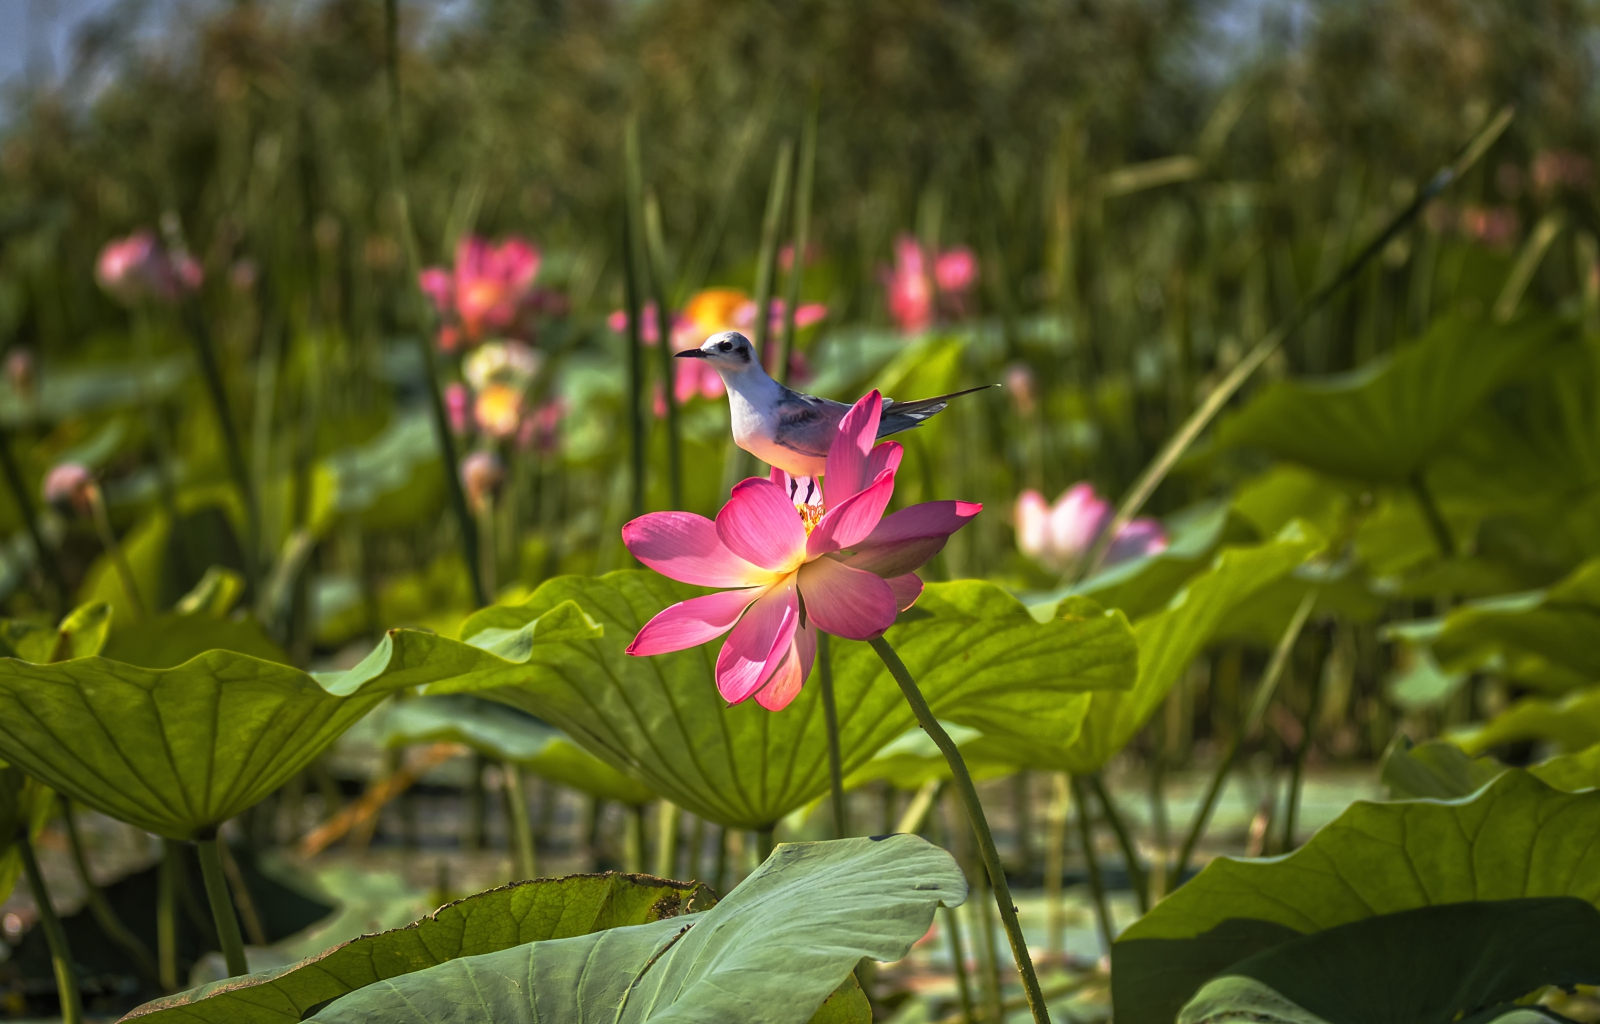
{"x": 810, "y": 516}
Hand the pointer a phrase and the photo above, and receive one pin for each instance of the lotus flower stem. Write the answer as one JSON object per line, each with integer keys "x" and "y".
{"x": 1055, "y": 858}
{"x": 1252, "y": 720}
{"x": 720, "y": 872}
{"x": 830, "y": 717}
{"x": 634, "y": 855}
{"x": 222, "y": 912}
{"x": 441, "y": 418}
{"x": 766, "y": 260}
{"x": 802, "y": 231}
{"x": 522, "y": 844}
{"x": 958, "y": 962}
{"x": 764, "y": 844}
{"x": 635, "y": 303}
{"x": 211, "y": 374}
{"x": 980, "y": 824}
{"x": 656, "y": 263}
{"x": 1214, "y": 402}
{"x": 108, "y": 540}
{"x": 54, "y": 934}
{"x": 1291, "y": 807}
{"x": 30, "y": 518}
{"x": 103, "y": 913}
{"x": 1430, "y": 511}
{"x": 167, "y": 915}
{"x": 1097, "y": 885}
{"x": 1130, "y": 849}
{"x": 248, "y": 917}
{"x": 668, "y": 821}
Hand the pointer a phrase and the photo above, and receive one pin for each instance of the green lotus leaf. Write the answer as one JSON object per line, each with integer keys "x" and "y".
{"x": 912, "y": 759}
{"x": 537, "y": 910}
{"x": 1101, "y": 724}
{"x": 1516, "y": 838}
{"x": 1571, "y": 723}
{"x": 178, "y": 751}
{"x": 1429, "y": 965}
{"x": 81, "y": 634}
{"x": 1440, "y": 770}
{"x": 769, "y": 953}
{"x": 24, "y": 803}
{"x": 1387, "y": 420}
{"x": 975, "y": 651}
{"x": 1557, "y": 624}
{"x": 504, "y": 734}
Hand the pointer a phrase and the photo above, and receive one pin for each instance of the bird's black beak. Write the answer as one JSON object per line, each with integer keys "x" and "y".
{"x": 690, "y": 353}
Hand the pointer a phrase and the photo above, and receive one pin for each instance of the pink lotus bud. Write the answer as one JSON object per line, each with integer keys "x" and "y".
{"x": 1019, "y": 385}
{"x": 20, "y": 371}
{"x": 1139, "y": 538}
{"x": 124, "y": 266}
{"x": 910, "y": 293}
{"x": 956, "y": 269}
{"x": 456, "y": 401}
{"x": 1033, "y": 524}
{"x": 481, "y": 475}
{"x": 435, "y": 283}
{"x": 70, "y": 485}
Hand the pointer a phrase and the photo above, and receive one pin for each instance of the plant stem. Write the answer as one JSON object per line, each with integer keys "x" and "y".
{"x": 1252, "y": 720}
{"x": 30, "y": 518}
{"x": 1055, "y": 856}
{"x": 103, "y": 913}
{"x": 767, "y": 258}
{"x": 1291, "y": 811}
{"x": 830, "y": 716}
{"x": 441, "y": 419}
{"x": 222, "y": 912}
{"x": 1430, "y": 511}
{"x": 119, "y": 561}
{"x": 764, "y": 844}
{"x": 668, "y": 818}
{"x": 1130, "y": 849}
{"x": 54, "y": 934}
{"x": 634, "y": 841}
{"x": 656, "y": 263}
{"x": 958, "y": 961}
{"x": 1097, "y": 885}
{"x": 1198, "y": 420}
{"x": 630, "y": 289}
{"x": 522, "y": 843}
{"x": 167, "y": 915}
{"x": 206, "y": 355}
{"x": 980, "y": 824}
{"x": 802, "y": 232}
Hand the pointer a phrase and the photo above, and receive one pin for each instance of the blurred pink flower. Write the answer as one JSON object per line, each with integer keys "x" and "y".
{"x": 853, "y": 568}
{"x": 486, "y": 289}
{"x": 956, "y": 269}
{"x": 541, "y": 431}
{"x": 70, "y": 485}
{"x": 1058, "y": 535}
{"x": 457, "y": 399}
{"x": 138, "y": 268}
{"x": 912, "y": 299}
{"x": 1555, "y": 169}
{"x": 1019, "y": 383}
{"x": 20, "y": 370}
{"x": 1491, "y": 225}
{"x": 481, "y": 474}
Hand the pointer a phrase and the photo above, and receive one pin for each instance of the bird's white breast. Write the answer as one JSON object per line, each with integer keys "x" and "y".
{"x": 755, "y": 427}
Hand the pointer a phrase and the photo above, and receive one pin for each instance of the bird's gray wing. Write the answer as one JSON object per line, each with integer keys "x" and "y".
{"x": 898, "y": 416}
{"x": 807, "y": 424}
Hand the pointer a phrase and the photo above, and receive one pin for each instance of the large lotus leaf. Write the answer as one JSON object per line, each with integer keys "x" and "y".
{"x": 769, "y": 953}
{"x": 1287, "y": 492}
{"x": 1557, "y": 624}
{"x": 1341, "y": 590}
{"x": 180, "y": 750}
{"x": 533, "y": 911}
{"x": 973, "y": 649}
{"x": 1517, "y": 837}
{"x": 1385, "y": 421}
{"x": 1101, "y": 724}
{"x": 1430, "y": 965}
{"x": 912, "y": 759}
{"x": 389, "y": 481}
{"x": 1571, "y": 723}
{"x": 1439, "y": 770}
{"x": 24, "y": 803}
{"x": 504, "y": 734}
{"x": 81, "y": 634}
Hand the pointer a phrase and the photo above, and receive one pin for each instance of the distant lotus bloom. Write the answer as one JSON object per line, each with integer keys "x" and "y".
{"x": 1020, "y": 385}
{"x": 20, "y": 370}
{"x": 1492, "y": 225}
{"x": 501, "y": 362}
{"x": 481, "y": 475}
{"x": 1560, "y": 168}
{"x": 70, "y": 485}
{"x": 541, "y": 431}
{"x": 138, "y": 269}
{"x": 486, "y": 289}
{"x": 498, "y": 410}
{"x": 798, "y": 560}
{"x": 456, "y": 402}
{"x": 1059, "y": 535}
{"x": 956, "y": 269}
{"x": 910, "y": 283}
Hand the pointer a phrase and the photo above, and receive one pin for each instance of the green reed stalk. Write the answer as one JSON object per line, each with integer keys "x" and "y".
{"x": 1291, "y": 811}
{"x": 636, "y": 452}
{"x": 167, "y": 915}
{"x": 119, "y": 561}
{"x": 216, "y": 390}
{"x": 764, "y": 844}
{"x": 1055, "y": 865}
{"x": 830, "y": 717}
{"x": 55, "y": 936}
{"x": 668, "y": 829}
{"x": 466, "y": 528}
{"x": 634, "y": 839}
{"x": 704, "y": 251}
{"x": 1432, "y": 514}
{"x": 767, "y": 258}
{"x": 1130, "y": 850}
{"x": 104, "y": 915}
{"x": 980, "y": 824}
{"x": 656, "y": 261}
{"x": 522, "y": 839}
{"x": 221, "y": 901}
{"x": 1091, "y": 863}
{"x": 1190, "y": 431}
{"x": 802, "y": 232}
{"x": 21, "y": 497}
{"x": 958, "y": 961}
{"x": 1251, "y": 722}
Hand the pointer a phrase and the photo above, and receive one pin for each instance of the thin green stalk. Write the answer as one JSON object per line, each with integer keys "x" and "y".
{"x": 655, "y": 249}
{"x": 767, "y": 258}
{"x": 1252, "y": 721}
{"x": 634, "y": 839}
{"x": 668, "y": 819}
{"x": 211, "y": 374}
{"x": 720, "y": 871}
{"x": 55, "y": 936}
{"x": 167, "y": 915}
{"x": 104, "y": 915}
{"x": 1198, "y": 420}
{"x": 958, "y": 961}
{"x": 1055, "y": 863}
{"x": 830, "y": 716}
{"x": 222, "y": 912}
{"x": 980, "y": 824}
{"x": 1091, "y": 862}
{"x": 22, "y": 498}
{"x": 1130, "y": 849}
{"x": 764, "y": 844}
{"x": 466, "y": 528}
{"x": 108, "y": 540}
{"x": 1291, "y": 811}
{"x": 802, "y": 232}
{"x": 1435, "y": 518}
{"x": 636, "y": 452}
{"x": 697, "y": 849}
{"x": 522, "y": 840}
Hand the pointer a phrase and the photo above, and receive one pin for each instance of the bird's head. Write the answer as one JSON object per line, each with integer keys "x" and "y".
{"x": 729, "y": 353}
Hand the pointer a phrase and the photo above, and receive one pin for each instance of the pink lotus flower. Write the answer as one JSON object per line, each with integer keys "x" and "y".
{"x": 913, "y": 302}
{"x": 487, "y": 288}
{"x": 956, "y": 269}
{"x": 1059, "y": 535}
{"x": 457, "y": 403}
{"x": 138, "y": 268}
{"x": 70, "y": 485}
{"x": 798, "y": 561}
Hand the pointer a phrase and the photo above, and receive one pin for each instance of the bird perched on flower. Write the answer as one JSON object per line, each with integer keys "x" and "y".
{"x": 1058, "y": 535}
{"x": 786, "y": 428}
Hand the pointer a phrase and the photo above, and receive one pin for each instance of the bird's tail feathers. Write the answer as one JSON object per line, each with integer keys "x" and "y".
{"x": 898, "y": 416}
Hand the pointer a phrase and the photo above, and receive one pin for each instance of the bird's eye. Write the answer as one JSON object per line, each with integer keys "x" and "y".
{"x": 726, "y": 346}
